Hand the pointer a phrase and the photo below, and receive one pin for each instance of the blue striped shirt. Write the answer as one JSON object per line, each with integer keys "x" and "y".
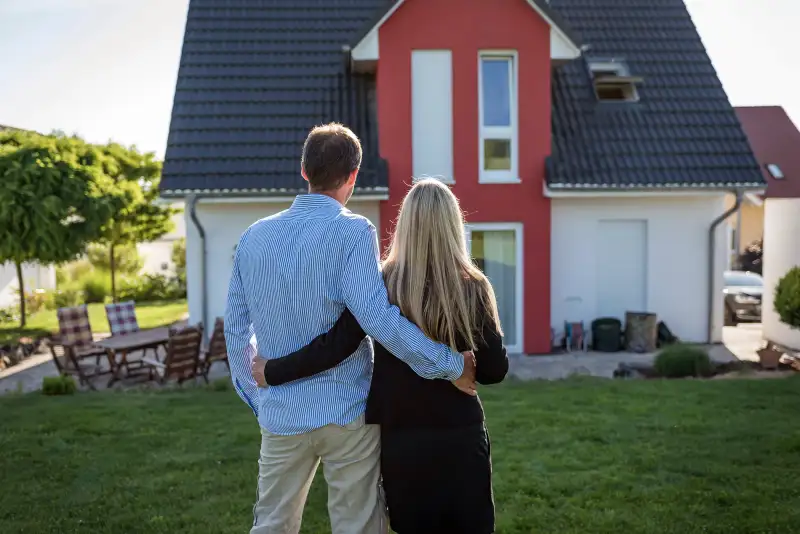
{"x": 293, "y": 275}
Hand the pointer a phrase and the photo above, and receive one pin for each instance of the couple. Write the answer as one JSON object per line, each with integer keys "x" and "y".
{"x": 408, "y": 435}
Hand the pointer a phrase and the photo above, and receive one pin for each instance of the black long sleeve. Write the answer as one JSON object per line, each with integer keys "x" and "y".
{"x": 325, "y": 351}
{"x": 491, "y": 359}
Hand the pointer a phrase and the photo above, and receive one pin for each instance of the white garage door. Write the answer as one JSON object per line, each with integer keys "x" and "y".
{"x": 621, "y": 267}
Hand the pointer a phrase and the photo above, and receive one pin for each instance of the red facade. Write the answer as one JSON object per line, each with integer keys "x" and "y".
{"x": 477, "y": 26}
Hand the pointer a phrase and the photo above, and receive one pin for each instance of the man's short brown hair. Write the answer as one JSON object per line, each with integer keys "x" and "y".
{"x": 330, "y": 154}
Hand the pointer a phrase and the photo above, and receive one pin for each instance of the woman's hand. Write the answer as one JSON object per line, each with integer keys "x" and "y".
{"x": 258, "y": 368}
{"x": 466, "y": 382}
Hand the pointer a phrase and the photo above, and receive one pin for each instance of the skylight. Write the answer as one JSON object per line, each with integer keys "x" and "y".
{"x": 775, "y": 171}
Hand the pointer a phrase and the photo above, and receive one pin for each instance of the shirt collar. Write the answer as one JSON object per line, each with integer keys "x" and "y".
{"x": 315, "y": 201}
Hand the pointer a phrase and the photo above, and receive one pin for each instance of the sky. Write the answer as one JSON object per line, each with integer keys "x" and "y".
{"x": 106, "y": 69}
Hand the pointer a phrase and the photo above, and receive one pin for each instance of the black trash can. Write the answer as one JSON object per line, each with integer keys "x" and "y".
{"x": 607, "y": 334}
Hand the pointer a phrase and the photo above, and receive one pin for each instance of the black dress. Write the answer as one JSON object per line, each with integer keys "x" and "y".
{"x": 435, "y": 451}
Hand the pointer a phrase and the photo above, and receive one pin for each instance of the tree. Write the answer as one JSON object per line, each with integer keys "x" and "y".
{"x": 139, "y": 217}
{"x": 53, "y": 200}
{"x": 752, "y": 257}
{"x": 126, "y": 258}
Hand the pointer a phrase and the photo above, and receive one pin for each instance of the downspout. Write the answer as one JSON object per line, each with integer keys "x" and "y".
{"x": 200, "y": 230}
{"x": 712, "y": 245}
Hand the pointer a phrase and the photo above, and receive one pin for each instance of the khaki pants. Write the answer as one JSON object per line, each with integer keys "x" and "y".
{"x": 350, "y": 458}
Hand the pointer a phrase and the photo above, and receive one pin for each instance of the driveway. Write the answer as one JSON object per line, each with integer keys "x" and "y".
{"x": 743, "y": 340}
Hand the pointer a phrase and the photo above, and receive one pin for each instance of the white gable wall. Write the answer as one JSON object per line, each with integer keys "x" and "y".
{"x": 224, "y": 223}
{"x": 676, "y": 259}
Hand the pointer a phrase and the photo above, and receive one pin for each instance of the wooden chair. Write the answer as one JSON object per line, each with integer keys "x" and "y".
{"x": 122, "y": 320}
{"x": 216, "y": 351}
{"x": 182, "y": 361}
{"x": 74, "y": 345}
{"x": 575, "y": 336}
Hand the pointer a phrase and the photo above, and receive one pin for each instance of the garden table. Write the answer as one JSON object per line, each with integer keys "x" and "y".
{"x": 121, "y": 346}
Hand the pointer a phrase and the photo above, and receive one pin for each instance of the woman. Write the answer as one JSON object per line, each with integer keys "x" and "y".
{"x": 435, "y": 456}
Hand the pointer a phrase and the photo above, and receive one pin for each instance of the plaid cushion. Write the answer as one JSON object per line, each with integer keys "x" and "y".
{"x": 73, "y": 324}
{"x": 122, "y": 318}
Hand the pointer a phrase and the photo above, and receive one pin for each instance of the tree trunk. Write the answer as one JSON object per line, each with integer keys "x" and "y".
{"x": 113, "y": 265}
{"x": 21, "y": 283}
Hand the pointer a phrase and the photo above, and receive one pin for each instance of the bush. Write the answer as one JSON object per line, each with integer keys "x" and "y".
{"x": 37, "y": 300}
{"x": 151, "y": 287}
{"x": 67, "y": 298}
{"x": 58, "y": 385}
{"x": 680, "y": 360}
{"x": 179, "y": 255}
{"x": 96, "y": 288}
{"x": 8, "y": 315}
{"x": 787, "y": 298}
{"x": 73, "y": 272}
{"x": 126, "y": 258}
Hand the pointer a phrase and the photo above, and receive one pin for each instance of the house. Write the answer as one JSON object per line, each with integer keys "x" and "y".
{"x": 590, "y": 143}
{"x": 775, "y": 141}
{"x": 157, "y": 255}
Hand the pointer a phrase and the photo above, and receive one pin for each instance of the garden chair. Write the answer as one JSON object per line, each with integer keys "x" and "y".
{"x": 216, "y": 350}
{"x": 575, "y": 336}
{"x": 122, "y": 320}
{"x": 75, "y": 345}
{"x": 182, "y": 361}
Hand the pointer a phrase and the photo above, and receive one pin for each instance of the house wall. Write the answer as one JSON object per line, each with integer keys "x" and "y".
{"x": 496, "y": 25}
{"x": 781, "y": 253}
{"x": 752, "y": 221}
{"x": 35, "y": 277}
{"x": 677, "y": 252}
{"x": 224, "y": 224}
{"x": 158, "y": 253}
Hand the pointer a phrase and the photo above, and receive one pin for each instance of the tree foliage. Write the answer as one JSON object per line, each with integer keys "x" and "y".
{"x": 54, "y": 199}
{"x": 752, "y": 259}
{"x": 139, "y": 216}
{"x": 127, "y": 259}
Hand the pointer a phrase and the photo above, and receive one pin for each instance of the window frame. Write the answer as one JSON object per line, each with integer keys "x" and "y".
{"x": 510, "y": 132}
{"x": 619, "y": 69}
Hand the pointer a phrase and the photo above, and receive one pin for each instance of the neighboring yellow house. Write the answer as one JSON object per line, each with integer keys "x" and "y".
{"x": 752, "y": 227}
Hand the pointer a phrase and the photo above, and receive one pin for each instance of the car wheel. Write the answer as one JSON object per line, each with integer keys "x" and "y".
{"x": 730, "y": 317}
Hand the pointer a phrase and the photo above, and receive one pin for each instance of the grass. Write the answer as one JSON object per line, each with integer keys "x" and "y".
{"x": 148, "y": 314}
{"x": 579, "y": 456}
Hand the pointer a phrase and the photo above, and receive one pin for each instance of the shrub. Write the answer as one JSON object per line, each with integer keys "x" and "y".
{"x": 787, "y": 298}
{"x": 73, "y": 272}
{"x": 221, "y": 384}
{"x": 66, "y": 298}
{"x": 37, "y": 300}
{"x": 8, "y": 315}
{"x": 680, "y": 360}
{"x": 179, "y": 255}
{"x": 151, "y": 287}
{"x": 58, "y": 385}
{"x": 126, "y": 258}
{"x": 96, "y": 288}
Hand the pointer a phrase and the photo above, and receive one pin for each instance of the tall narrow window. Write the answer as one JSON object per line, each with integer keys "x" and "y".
{"x": 498, "y": 117}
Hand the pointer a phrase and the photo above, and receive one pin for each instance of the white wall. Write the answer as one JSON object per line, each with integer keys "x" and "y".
{"x": 781, "y": 253}
{"x": 34, "y": 276}
{"x": 224, "y": 224}
{"x": 677, "y": 251}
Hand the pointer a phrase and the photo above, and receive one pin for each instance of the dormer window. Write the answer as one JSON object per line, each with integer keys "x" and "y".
{"x": 612, "y": 82}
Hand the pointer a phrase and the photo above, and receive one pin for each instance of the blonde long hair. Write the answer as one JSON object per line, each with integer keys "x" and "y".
{"x": 430, "y": 275}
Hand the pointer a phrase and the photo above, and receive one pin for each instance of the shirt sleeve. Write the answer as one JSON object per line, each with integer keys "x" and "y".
{"x": 239, "y": 337}
{"x": 365, "y": 295}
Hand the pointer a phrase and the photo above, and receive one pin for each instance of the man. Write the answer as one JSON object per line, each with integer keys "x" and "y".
{"x": 293, "y": 275}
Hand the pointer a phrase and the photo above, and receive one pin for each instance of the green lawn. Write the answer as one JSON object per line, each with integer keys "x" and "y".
{"x": 149, "y": 315}
{"x": 581, "y": 456}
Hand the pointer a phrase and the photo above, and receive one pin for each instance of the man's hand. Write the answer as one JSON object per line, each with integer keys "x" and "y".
{"x": 258, "y": 368}
{"x": 466, "y": 382}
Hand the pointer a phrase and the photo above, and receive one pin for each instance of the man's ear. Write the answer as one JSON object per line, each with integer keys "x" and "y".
{"x": 303, "y": 174}
{"x": 351, "y": 180}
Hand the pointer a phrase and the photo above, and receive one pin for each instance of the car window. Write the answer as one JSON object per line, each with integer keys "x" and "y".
{"x": 743, "y": 280}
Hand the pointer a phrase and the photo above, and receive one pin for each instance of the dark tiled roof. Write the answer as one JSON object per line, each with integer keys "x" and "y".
{"x": 682, "y": 133}
{"x": 774, "y": 139}
{"x": 255, "y": 76}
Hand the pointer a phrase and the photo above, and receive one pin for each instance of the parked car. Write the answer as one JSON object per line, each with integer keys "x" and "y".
{"x": 743, "y": 290}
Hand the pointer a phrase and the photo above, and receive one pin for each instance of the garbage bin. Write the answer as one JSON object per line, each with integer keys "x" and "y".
{"x": 641, "y": 331}
{"x": 607, "y": 334}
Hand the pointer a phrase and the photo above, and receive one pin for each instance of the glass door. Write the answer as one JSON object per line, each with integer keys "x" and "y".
{"x": 496, "y": 252}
